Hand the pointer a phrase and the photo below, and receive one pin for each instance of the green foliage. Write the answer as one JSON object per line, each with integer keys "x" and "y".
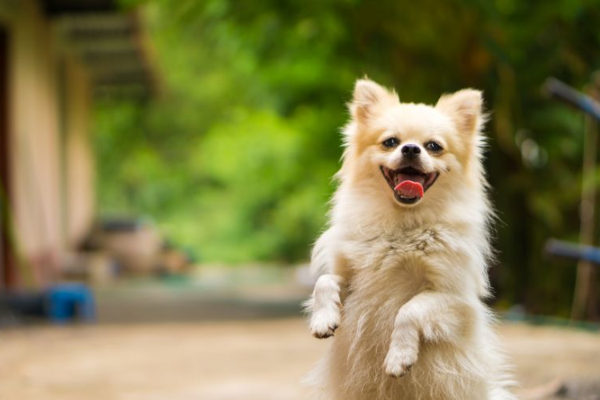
{"x": 234, "y": 159}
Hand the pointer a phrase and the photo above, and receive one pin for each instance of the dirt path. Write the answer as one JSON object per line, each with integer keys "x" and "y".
{"x": 260, "y": 360}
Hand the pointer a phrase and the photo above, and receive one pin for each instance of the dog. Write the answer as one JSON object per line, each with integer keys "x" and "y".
{"x": 402, "y": 264}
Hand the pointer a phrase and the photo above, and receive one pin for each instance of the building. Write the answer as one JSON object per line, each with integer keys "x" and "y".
{"x": 56, "y": 57}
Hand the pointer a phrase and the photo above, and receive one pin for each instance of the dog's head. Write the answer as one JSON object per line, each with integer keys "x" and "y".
{"x": 411, "y": 152}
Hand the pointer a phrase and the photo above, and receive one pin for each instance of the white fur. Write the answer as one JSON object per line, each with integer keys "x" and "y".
{"x": 403, "y": 285}
{"x": 325, "y": 306}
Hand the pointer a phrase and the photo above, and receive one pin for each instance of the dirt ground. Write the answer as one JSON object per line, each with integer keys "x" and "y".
{"x": 228, "y": 360}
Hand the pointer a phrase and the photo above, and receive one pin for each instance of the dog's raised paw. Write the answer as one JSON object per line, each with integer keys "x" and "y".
{"x": 323, "y": 323}
{"x": 324, "y": 334}
{"x": 398, "y": 362}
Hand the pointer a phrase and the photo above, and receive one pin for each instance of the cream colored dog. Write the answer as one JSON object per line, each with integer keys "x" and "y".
{"x": 403, "y": 262}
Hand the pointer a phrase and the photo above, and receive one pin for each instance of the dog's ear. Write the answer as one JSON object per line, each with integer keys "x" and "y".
{"x": 465, "y": 107}
{"x": 368, "y": 95}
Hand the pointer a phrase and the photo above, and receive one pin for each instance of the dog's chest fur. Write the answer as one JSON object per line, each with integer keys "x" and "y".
{"x": 387, "y": 250}
{"x": 387, "y": 271}
{"x": 401, "y": 262}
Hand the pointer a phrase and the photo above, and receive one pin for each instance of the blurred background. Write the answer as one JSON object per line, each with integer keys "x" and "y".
{"x": 165, "y": 167}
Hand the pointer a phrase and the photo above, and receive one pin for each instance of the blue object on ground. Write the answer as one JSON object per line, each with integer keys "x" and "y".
{"x": 66, "y": 301}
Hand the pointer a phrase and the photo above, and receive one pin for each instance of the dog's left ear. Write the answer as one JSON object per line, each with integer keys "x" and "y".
{"x": 465, "y": 107}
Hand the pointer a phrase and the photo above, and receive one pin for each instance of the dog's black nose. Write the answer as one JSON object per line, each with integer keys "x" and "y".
{"x": 410, "y": 150}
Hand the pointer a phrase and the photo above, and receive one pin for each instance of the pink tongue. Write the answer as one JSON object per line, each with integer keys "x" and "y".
{"x": 409, "y": 189}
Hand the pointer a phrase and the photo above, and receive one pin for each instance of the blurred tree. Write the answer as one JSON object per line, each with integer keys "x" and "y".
{"x": 235, "y": 159}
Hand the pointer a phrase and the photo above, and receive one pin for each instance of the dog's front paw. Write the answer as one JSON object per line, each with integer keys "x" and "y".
{"x": 399, "y": 360}
{"x": 324, "y": 322}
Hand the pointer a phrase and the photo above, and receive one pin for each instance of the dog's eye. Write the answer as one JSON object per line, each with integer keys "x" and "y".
{"x": 390, "y": 143}
{"x": 433, "y": 147}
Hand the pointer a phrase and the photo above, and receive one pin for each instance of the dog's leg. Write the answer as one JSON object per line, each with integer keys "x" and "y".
{"x": 429, "y": 315}
{"x": 325, "y": 304}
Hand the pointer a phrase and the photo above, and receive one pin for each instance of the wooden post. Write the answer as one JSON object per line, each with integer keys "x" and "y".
{"x": 584, "y": 299}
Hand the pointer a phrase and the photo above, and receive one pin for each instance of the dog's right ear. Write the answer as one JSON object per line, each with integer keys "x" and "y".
{"x": 368, "y": 95}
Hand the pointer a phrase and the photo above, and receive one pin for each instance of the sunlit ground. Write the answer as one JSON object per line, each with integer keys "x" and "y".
{"x": 228, "y": 360}
{"x": 182, "y": 340}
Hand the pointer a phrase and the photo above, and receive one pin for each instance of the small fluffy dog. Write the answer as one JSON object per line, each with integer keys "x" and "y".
{"x": 403, "y": 263}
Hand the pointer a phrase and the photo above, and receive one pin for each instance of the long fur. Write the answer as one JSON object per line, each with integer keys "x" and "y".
{"x": 401, "y": 287}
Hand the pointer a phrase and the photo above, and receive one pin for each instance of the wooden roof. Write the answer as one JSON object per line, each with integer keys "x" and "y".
{"x": 110, "y": 42}
{"x": 56, "y": 7}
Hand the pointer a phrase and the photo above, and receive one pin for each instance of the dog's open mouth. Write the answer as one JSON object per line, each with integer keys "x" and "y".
{"x": 409, "y": 184}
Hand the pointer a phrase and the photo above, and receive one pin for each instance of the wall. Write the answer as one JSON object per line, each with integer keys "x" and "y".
{"x": 79, "y": 171}
{"x": 50, "y": 156}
